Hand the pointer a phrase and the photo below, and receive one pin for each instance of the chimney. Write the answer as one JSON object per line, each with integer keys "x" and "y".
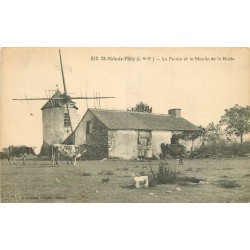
{"x": 175, "y": 112}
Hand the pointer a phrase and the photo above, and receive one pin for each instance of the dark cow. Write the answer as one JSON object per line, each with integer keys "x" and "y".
{"x": 71, "y": 152}
{"x": 19, "y": 151}
{"x": 173, "y": 150}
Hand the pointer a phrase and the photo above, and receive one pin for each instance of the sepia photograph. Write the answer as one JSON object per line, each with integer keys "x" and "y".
{"x": 125, "y": 125}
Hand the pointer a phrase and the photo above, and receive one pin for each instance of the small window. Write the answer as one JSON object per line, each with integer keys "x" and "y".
{"x": 89, "y": 127}
{"x": 66, "y": 120}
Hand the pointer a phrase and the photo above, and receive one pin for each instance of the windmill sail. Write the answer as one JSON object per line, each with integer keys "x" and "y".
{"x": 65, "y": 91}
{"x": 58, "y": 123}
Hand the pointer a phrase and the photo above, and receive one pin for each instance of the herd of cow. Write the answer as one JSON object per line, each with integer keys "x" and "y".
{"x": 72, "y": 152}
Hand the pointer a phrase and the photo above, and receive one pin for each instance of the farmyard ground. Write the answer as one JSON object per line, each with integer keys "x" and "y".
{"x": 39, "y": 182}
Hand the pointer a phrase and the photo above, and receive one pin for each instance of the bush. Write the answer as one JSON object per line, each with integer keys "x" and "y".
{"x": 86, "y": 174}
{"x": 152, "y": 179}
{"x": 105, "y": 180}
{"x": 227, "y": 184}
{"x": 227, "y": 149}
{"x": 245, "y": 147}
{"x": 142, "y": 173}
{"x": 184, "y": 180}
{"x": 164, "y": 175}
{"x": 106, "y": 172}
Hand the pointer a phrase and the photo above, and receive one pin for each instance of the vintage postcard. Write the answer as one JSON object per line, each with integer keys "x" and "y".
{"x": 125, "y": 125}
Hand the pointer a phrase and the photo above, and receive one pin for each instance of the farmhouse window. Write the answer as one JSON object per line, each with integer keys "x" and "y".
{"x": 89, "y": 127}
{"x": 66, "y": 120}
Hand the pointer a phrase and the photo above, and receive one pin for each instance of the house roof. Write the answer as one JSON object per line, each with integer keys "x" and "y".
{"x": 58, "y": 103}
{"x": 142, "y": 121}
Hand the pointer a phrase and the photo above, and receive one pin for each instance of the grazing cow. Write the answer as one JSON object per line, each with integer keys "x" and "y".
{"x": 173, "y": 150}
{"x": 71, "y": 152}
{"x": 19, "y": 151}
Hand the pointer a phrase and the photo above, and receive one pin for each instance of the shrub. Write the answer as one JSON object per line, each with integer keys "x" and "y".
{"x": 106, "y": 172}
{"x": 105, "y": 180}
{"x": 86, "y": 174}
{"x": 122, "y": 168}
{"x": 198, "y": 170}
{"x": 191, "y": 179}
{"x": 164, "y": 175}
{"x": 228, "y": 184}
{"x": 152, "y": 182}
{"x": 227, "y": 149}
{"x": 223, "y": 176}
{"x": 142, "y": 173}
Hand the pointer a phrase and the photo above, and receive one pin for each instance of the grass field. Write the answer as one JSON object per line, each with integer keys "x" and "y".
{"x": 227, "y": 180}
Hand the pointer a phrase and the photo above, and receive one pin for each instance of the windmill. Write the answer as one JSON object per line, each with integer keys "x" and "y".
{"x": 59, "y": 113}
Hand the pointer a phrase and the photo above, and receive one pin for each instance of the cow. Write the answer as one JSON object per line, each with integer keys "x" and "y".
{"x": 71, "y": 152}
{"x": 19, "y": 151}
{"x": 173, "y": 150}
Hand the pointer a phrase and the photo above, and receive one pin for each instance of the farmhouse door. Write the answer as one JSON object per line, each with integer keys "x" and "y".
{"x": 143, "y": 141}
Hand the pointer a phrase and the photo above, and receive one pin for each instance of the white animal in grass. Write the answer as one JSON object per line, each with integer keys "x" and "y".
{"x": 140, "y": 180}
{"x": 71, "y": 152}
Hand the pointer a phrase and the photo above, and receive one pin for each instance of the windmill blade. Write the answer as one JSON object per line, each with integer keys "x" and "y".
{"x": 35, "y": 99}
{"x": 96, "y": 97}
{"x": 59, "y": 99}
{"x": 64, "y": 85}
{"x": 96, "y": 100}
{"x": 99, "y": 101}
{"x": 62, "y": 98}
{"x": 26, "y": 97}
{"x": 67, "y": 98}
{"x": 87, "y": 101}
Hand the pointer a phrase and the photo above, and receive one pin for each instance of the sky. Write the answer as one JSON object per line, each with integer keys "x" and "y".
{"x": 202, "y": 82}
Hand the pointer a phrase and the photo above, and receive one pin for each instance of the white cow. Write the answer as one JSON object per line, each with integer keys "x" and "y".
{"x": 71, "y": 152}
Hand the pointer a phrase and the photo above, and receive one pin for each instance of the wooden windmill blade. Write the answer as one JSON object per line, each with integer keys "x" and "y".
{"x": 59, "y": 99}
{"x": 65, "y": 91}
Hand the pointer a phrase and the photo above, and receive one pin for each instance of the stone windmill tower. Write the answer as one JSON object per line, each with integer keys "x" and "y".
{"x": 59, "y": 118}
{"x": 59, "y": 115}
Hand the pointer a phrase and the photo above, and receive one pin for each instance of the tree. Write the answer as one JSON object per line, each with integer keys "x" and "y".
{"x": 141, "y": 107}
{"x": 237, "y": 121}
{"x": 213, "y": 133}
{"x": 192, "y": 135}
